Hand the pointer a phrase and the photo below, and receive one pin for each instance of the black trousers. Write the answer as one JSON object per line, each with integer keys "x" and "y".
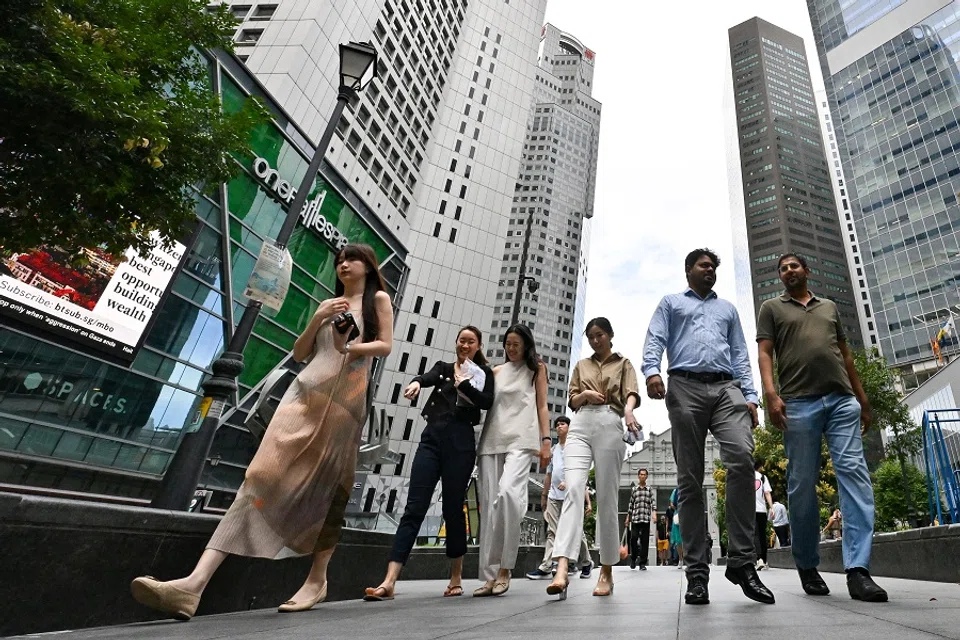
{"x": 447, "y": 454}
{"x": 760, "y": 536}
{"x": 783, "y": 534}
{"x": 639, "y": 541}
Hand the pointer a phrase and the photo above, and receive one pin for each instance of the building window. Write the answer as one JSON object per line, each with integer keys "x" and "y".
{"x": 429, "y": 339}
{"x": 436, "y": 309}
{"x": 265, "y": 12}
{"x": 411, "y": 332}
{"x": 250, "y": 36}
{"x": 403, "y": 362}
{"x": 453, "y": 235}
{"x": 436, "y": 230}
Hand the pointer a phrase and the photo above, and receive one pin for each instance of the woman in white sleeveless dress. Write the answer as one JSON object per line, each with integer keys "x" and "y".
{"x": 516, "y": 430}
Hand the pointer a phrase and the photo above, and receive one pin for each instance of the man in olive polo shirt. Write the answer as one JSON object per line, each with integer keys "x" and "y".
{"x": 820, "y": 396}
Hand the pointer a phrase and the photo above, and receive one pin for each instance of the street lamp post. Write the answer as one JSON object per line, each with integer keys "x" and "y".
{"x": 358, "y": 65}
{"x": 532, "y": 283}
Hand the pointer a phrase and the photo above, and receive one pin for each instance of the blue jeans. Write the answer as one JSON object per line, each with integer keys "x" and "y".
{"x": 835, "y": 417}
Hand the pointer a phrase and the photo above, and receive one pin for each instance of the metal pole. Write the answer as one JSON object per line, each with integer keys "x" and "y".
{"x": 521, "y": 277}
{"x": 183, "y": 475}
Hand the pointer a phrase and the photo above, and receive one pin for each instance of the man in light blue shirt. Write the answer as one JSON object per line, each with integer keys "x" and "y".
{"x": 711, "y": 390}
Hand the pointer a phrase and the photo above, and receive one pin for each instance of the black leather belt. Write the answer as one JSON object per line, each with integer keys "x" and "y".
{"x": 701, "y": 376}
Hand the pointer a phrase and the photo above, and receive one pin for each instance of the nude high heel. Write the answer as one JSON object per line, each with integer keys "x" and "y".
{"x": 160, "y": 596}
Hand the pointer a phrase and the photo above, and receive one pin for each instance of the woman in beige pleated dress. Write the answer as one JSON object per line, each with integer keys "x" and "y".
{"x": 295, "y": 491}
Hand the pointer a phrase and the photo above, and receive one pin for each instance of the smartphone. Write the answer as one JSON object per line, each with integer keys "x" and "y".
{"x": 345, "y": 323}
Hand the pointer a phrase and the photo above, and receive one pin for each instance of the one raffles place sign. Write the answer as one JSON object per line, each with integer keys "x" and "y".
{"x": 97, "y": 302}
{"x": 310, "y": 216}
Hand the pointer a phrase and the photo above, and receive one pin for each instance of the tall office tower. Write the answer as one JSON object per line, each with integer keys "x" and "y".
{"x": 462, "y": 210}
{"x": 891, "y": 77}
{"x": 544, "y": 270}
{"x": 868, "y": 328}
{"x": 433, "y": 146}
{"x": 788, "y": 196}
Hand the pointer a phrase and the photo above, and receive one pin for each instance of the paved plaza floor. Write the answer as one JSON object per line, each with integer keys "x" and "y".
{"x": 645, "y": 604}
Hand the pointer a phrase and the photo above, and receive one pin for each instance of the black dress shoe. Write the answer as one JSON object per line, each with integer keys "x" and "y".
{"x": 812, "y": 583}
{"x": 643, "y": 567}
{"x": 862, "y": 587}
{"x": 633, "y": 563}
{"x": 747, "y": 579}
{"x": 697, "y": 592}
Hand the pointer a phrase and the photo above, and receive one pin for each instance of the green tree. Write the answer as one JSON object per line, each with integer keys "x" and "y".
{"x": 107, "y": 119}
{"x": 590, "y": 521}
{"x": 890, "y": 414}
{"x": 892, "y": 510}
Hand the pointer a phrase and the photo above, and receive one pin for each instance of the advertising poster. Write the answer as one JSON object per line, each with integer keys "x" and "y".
{"x": 270, "y": 279}
{"x": 96, "y": 301}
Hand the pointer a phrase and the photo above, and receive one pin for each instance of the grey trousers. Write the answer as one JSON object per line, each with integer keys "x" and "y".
{"x": 696, "y": 408}
{"x": 552, "y": 516}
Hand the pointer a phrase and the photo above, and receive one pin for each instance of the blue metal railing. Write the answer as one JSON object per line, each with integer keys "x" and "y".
{"x": 942, "y": 484}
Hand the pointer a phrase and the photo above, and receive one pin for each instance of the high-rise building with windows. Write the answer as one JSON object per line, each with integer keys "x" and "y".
{"x": 788, "y": 196}
{"x": 890, "y": 72}
{"x": 433, "y": 146}
{"x": 548, "y": 234}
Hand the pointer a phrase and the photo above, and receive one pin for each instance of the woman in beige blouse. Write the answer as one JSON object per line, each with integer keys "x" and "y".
{"x": 603, "y": 391}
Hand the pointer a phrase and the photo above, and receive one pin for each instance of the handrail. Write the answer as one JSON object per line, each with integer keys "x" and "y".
{"x": 942, "y": 485}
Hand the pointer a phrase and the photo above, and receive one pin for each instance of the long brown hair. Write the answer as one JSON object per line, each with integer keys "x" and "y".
{"x": 374, "y": 283}
{"x": 478, "y": 357}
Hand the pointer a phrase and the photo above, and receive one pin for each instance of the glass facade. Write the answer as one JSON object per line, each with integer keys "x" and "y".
{"x": 789, "y": 203}
{"x": 72, "y": 421}
{"x": 896, "y": 112}
{"x": 838, "y": 21}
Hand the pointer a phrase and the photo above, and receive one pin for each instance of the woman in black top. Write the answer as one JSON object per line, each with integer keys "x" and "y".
{"x": 447, "y": 453}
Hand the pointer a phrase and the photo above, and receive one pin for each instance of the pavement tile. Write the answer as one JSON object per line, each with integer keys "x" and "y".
{"x": 644, "y": 605}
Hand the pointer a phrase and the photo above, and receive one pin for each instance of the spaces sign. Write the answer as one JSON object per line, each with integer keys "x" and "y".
{"x": 95, "y": 301}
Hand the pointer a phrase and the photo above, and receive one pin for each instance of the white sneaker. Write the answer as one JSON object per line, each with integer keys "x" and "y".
{"x": 761, "y": 565}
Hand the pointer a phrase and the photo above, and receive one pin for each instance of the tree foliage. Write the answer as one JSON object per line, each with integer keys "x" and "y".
{"x": 889, "y": 412}
{"x": 892, "y": 510}
{"x": 107, "y": 119}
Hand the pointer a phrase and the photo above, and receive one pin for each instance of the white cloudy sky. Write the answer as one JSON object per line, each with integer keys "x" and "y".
{"x": 662, "y": 187}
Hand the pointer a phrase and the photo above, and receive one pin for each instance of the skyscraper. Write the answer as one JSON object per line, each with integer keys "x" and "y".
{"x": 788, "y": 196}
{"x": 433, "y": 146}
{"x": 548, "y": 235}
{"x": 891, "y": 77}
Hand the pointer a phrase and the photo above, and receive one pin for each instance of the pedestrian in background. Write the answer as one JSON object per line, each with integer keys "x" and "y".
{"x": 711, "y": 390}
{"x": 551, "y": 503}
{"x": 763, "y": 504}
{"x": 663, "y": 542}
{"x": 781, "y": 524}
{"x": 641, "y": 508}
